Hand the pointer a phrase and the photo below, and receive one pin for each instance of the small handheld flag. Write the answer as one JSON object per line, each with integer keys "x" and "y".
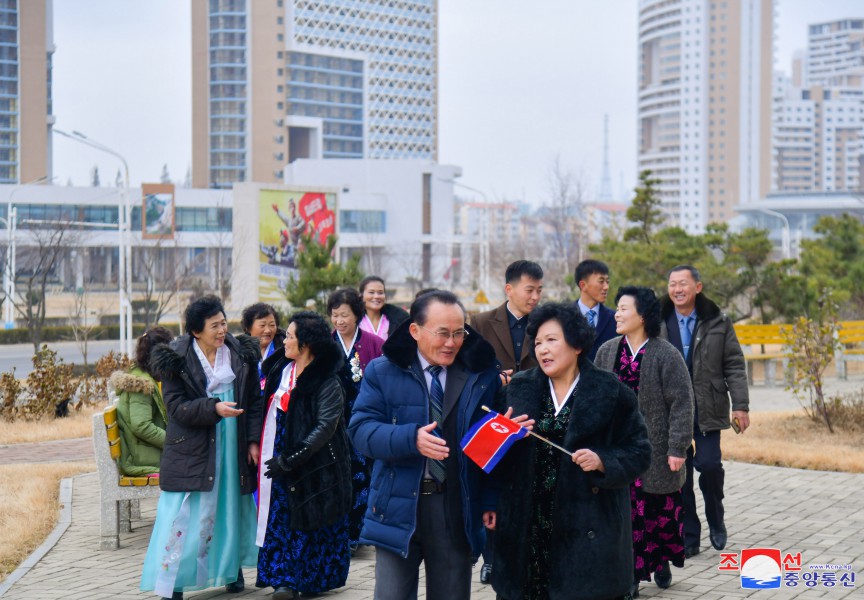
{"x": 488, "y": 440}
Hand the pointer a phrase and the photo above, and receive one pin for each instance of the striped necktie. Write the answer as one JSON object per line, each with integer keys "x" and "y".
{"x": 436, "y": 404}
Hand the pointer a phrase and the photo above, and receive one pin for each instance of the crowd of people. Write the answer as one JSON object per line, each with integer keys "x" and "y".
{"x": 287, "y": 448}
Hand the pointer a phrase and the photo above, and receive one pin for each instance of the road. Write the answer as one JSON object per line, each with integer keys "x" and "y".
{"x": 20, "y": 356}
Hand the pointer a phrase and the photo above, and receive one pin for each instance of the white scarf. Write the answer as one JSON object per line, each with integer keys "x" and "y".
{"x": 220, "y": 374}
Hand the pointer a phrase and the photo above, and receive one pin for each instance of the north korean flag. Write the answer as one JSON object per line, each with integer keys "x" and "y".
{"x": 489, "y": 439}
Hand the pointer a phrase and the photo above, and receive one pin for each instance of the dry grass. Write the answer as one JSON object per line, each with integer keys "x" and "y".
{"x": 76, "y": 425}
{"x": 790, "y": 439}
{"x": 28, "y": 507}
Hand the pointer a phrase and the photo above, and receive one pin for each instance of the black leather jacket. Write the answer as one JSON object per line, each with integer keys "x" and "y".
{"x": 315, "y": 448}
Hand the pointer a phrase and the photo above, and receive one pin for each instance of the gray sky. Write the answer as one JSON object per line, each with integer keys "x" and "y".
{"x": 516, "y": 88}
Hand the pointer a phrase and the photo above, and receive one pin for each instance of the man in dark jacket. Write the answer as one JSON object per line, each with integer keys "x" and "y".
{"x": 426, "y": 498}
{"x": 707, "y": 340}
{"x": 504, "y": 328}
{"x": 592, "y": 277}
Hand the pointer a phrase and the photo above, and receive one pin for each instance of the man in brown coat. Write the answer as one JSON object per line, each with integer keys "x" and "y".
{"x": 504, "y": 329}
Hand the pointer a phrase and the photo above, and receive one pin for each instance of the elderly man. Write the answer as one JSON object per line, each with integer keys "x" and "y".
{"x": 706, "y": 339}
{"x": 427, "y": 501}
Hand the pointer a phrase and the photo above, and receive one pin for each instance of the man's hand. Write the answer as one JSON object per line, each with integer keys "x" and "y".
{"x": 226, "y": 409}
{"x": 743, "y": 419}
{"x": 522, "y": 420}
{"x": 588, "y": 460}
{"x": 254, "y": 453}
{"x": 490, "y": 519}
{"x": 431, "y": 445}
{"x": 505, "y": 376}
{"x": 675, "y": 463}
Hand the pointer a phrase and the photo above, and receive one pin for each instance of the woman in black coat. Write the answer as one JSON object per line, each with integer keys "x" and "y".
{"x": 563, "y": 520}
{"x": 205, "y": 520}
{"x": 305, "y": 495}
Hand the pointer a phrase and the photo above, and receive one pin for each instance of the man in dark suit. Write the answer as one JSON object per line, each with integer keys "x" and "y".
{"x": 504, "y": 328}
{"x": 592, "y": 277}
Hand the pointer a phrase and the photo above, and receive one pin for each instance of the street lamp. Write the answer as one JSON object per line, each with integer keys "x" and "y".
{"x": 123, "y": 249}
{"x": 787, "y": 231}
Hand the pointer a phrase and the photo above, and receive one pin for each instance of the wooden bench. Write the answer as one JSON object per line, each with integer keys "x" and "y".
{"x": 116, "y": 491}
{"x": 757, "y": 337}
{"x": 850, "y": 336}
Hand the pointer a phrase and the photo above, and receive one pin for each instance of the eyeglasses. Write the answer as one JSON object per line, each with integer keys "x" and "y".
{"x": 442, "y": 336}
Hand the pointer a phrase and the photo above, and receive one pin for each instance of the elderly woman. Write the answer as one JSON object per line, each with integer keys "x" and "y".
{"x": 305, "y": 495}
{"x": 563, "y": 521}
{"x": 205, "y": 520}
{"x": 381, "y": 319}
{"x": 657, "y": 374}
{"x": 345, "y": 307}
{"x": 261, "y": 321}
{"x": 140, "y": 409}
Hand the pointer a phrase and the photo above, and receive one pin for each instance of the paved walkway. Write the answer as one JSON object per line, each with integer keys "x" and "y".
{"x": 819, "y": 514}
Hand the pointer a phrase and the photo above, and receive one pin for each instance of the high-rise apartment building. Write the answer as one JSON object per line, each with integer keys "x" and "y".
{"x": 278, "y": 80}
{"x": 26, "y": 49}
{"x": 704, "y": 104}
{"x": 819, "y": 113}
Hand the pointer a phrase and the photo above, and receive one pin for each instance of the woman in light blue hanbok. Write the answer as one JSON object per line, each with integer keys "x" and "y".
{"x": 206, "y": 518}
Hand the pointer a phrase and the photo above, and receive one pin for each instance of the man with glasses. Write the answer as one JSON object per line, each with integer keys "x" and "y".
{"x": 427, "y": 501}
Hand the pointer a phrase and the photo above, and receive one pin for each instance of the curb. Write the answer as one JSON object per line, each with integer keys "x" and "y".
{"x": 63, "y": 522}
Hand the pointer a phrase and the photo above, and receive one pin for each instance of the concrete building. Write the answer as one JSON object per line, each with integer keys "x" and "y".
{"x": 26, "y": 50}
{"x": 835, "y": 54}
{"x": 278, "y": 81}
{"x": 704, "y": 105}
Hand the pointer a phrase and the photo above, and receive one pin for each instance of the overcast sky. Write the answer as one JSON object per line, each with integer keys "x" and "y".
{"x": 517, "y": 87}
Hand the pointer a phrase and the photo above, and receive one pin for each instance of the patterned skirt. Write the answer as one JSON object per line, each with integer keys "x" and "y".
{"x": 658, "y": 531}
{"x": 304, "y": 561}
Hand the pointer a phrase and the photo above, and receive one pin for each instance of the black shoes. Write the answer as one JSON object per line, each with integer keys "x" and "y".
{"x": 718, "y": 537}
{"x": 235, "y": 587}
{"x": 663, "y": 577}
{"x": 634, "y": 590}
{"x": 691, "y": 551}
{"x": 486, "y": 573}
{"x": 283, "y": 593}
{"x": 175, "y": 596}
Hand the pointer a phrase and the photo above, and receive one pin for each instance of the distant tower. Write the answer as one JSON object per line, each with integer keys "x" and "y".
{"x": 605, "y": 194}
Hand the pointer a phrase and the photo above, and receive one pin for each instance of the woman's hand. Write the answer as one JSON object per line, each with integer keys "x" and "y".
{"x": 489, "y": 519}
{"x": 588, "y": 460}
{"x": 505, "y": 376}
{"x": 521, "y": 420}
{"x": 676, "y": 463}
{"x": 226, "y": 409}
{"x": 254, "y": 454}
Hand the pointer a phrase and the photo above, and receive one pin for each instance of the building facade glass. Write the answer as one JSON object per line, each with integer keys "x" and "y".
{"x": 9, "y": 98}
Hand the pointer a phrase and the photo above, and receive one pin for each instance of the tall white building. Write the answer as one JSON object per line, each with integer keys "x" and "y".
{"x": 705, "y": 72}
{"x": 288, "y": 79}
{"x": 819, "y": 113}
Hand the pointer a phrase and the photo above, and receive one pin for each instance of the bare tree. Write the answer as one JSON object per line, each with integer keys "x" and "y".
{"x": 83, "y": 326}
{"x": 563, "y": 215}
{"x": 164, "y": 275}
{"x": 38, "y": 268}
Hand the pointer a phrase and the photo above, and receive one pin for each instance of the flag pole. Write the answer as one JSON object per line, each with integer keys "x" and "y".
{"x": 538, "y": 436}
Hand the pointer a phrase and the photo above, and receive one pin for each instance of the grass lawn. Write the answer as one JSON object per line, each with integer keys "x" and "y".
{"x": 791, "y": 439}
{"x": 76, "y": 425}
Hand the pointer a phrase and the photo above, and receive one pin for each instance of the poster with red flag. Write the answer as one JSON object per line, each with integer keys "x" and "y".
{"x": 490, "y": 438}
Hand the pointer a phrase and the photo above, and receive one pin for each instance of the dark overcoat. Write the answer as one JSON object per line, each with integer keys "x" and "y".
{"x": 315, "y": 443}
{"x": 189, "y": 456}
{"x": 494, "y": 326}
{"x": 591, "y": 544}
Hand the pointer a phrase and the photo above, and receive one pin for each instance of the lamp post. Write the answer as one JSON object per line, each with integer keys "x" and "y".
{"x": 484, "y": 234}
{"x": 123, "y": 249}
{"x": 787, "y": 231}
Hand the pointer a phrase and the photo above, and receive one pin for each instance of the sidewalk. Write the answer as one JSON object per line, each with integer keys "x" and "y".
{"x": 816, "y": 513}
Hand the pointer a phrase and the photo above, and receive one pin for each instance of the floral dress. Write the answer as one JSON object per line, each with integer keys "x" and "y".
{"x": 548, "y": 460}
{"x": 658, "y": 530}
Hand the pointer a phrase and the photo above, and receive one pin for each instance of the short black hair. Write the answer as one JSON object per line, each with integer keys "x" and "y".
{"x": 151, "y": 337}
{"x": 200, "y": 310}
{"x": 311, "y": 331}
{"x": 577, "y": 332}
{"x": 348, "y": 296}
{"x": 587, "y": 268}
{"x": 647, "y": 305}
{"x": 517, "y": 269}
{"x": 256, "y": 311}
{"x": 369, "y": 279}
{"x": 424, "y": 291}
{"x": 693, "y": 271}
{"x": 420, "y": 306}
